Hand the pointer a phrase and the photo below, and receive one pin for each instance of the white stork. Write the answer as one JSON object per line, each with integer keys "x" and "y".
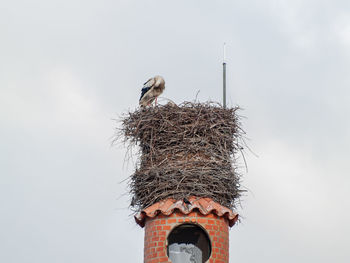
{"x": 151, "y": 90}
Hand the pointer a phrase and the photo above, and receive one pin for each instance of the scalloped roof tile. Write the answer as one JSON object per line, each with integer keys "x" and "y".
{"x": 204, "y": 205}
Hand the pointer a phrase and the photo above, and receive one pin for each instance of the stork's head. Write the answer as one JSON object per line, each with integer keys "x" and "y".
{"x": 159, "y": 81}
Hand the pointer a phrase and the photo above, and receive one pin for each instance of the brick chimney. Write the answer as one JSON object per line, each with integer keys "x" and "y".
{"x": 179, "y": 232}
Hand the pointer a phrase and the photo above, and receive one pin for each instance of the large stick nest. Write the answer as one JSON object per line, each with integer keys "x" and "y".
{"x": 185, "y": 150}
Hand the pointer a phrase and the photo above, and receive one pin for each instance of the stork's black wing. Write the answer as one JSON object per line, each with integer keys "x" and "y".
{"x": 147, "y": 86}
{"x": 143, "y": 91}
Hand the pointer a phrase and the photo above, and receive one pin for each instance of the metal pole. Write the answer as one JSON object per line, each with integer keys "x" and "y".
{"x": 224, "y": 78}
{"x": 224, "y": 84}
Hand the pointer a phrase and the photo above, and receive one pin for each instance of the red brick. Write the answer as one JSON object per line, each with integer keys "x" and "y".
{"x": 155, "y": 238}
{"x": 170, "y": 221}
{"x": 201, "y": 220}
{"x": 166, "y": 227}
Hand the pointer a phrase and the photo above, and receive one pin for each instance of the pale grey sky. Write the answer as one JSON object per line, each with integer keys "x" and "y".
{"x": 68, "y": 67}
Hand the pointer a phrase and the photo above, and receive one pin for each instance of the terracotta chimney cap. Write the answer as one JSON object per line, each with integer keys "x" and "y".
{"x": 204, "y": 205}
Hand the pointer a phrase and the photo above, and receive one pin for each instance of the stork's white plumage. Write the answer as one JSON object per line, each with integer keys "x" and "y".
{"x": 152, "y": 88}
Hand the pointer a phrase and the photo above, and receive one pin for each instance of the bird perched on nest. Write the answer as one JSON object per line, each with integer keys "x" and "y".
{"x": 186, "y": 201}
{"x": 152, "y": 88}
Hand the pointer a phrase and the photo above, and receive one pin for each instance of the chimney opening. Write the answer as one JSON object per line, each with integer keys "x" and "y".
{"x": 188, "y": 243}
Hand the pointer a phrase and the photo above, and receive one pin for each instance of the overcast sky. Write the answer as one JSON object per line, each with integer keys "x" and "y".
{"x": 67, "y": 68}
